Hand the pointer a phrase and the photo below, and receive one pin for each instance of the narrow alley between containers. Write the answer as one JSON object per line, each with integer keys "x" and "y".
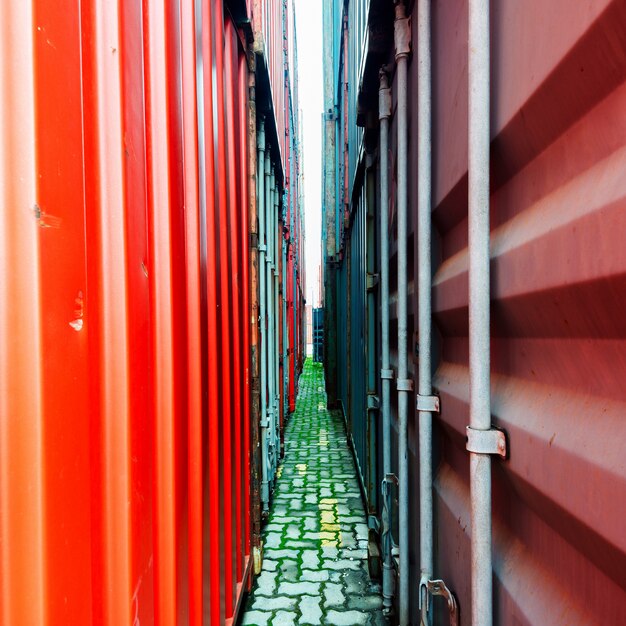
{"x": 427, "y": 197}
{"x": 315, "y": 557}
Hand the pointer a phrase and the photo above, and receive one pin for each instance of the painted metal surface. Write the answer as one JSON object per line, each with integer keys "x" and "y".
{"x": 544, "y": 207}
{"x": 126, "y": 420}
{"x": 280, "y": 235}
{"x": 557, "y": 138}
{"x": 354, "y": 301}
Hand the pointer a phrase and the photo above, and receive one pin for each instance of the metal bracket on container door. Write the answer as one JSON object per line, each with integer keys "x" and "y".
{"x": 371, "y": 281}
{"x": 387, "y": 480}
{"x": 491, "y": 441}
{"x": 373, "y": 402}
{"x": 434, "y": 588}
{"x": 405, "y": 384}
{"x": 428, "y": 404}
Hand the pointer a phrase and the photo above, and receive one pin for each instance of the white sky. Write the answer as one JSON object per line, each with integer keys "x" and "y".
{"x": 310, "y": 86}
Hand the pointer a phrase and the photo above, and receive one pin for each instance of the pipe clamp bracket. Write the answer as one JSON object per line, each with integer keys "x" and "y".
{"x": 262, "y": 248}
{"x": 404, "y": 384}
{"x": 384, "y": 101}
{"x": 402, "y": 35}
{"x": 491, "y": 441}
{"x": 428, "y": 404}
{"x": 386, "y": 374}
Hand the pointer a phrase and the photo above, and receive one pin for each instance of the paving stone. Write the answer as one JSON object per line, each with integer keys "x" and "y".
{"x": 346, "y": 564}
{"x": 311, "y": 612}
{"x": 315, "y": 542}
{"x": 333, "y": 594}
{"x": 330, "y": 552}
{"x": 310, "y": 559}
{"x": 293, "y": 531}
{"x": 353, "y": 553}
{"x": 348, "y": 541}
{"x": 365, "y": 603}
{"x": 289, "y": 570}
{"x": 285, "y": 618}
{"x": 256, "y": 618}
{"x": 275, "y": 554}
{"x": 270, "y": 565}
{"x": 320, "y": 575}
{"x": 299, "y": 589}
{"x": 266, "y": 583}
{"x": 346, "y": 618}
{"x": 262, "y": 603}
{"x": 298, "y": 543}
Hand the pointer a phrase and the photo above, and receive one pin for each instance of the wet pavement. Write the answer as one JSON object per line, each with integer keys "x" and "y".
{"x": 315, "y": 542}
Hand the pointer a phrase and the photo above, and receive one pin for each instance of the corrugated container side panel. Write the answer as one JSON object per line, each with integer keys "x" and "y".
{"x": 555, "y": 369}
{"x": 271, "y": 21}
{"x": 357, "y": 32}
{"x": 22, "y": 575}
{"x": 356, "y": 302}
{"x": 557, "y": 282}
{"x": 104, "y": 462}
{"x": 342, "y": 334}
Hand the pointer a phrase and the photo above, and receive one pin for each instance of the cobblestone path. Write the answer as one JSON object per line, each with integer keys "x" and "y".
{"x": 315, "y": 554}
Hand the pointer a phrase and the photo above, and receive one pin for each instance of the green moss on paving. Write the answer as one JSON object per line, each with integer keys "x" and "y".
{"x": 316, "y": 536}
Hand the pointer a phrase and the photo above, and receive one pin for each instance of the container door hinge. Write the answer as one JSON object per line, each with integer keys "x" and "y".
{"x": 432, "y": 588}
{"x": 492, "y": 441}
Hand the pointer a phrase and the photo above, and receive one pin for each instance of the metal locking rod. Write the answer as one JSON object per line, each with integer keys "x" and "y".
{"x": 438, "y": 588}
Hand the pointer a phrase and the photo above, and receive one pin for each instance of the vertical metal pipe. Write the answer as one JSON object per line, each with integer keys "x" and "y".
{"x": 269, "y": 208}
{"x": 270, "y": 319}
{"x": 275, "y": 321}
{"x": 285, "y": 355}
{"x": 277, "y": 257}
{"x": 424, "y": 201}
{"x": 402, "y": 38}
{"x": 261, "y": 179}
{"x": 479, "y": 298}
{"x": 330, "y": 213}
{"x": 386, "y": 374}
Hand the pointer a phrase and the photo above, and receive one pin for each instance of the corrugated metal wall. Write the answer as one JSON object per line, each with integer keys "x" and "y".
{"x": 357, "y": 389}
{"x": 557, "y": 205}
{"x": 353, "y": 302}
{"x": 558, "y": 133}
{"x": 125, "y": 326}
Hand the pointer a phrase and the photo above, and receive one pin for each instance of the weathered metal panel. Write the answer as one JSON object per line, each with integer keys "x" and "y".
{"x": 558, "y": 268}
{"x": 343, "y": 344}
{"x": 557, "y": 203}
{"x": 357, "y": 362}
{"x": 272, "y": 23}
{"x": 355, "y": 294}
